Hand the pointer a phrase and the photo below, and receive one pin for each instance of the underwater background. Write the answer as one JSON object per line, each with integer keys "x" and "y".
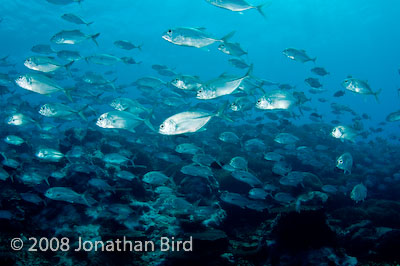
{"x": 263, "y": 132}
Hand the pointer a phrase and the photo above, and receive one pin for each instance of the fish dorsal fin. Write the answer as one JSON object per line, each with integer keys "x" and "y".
{"x": 349, "y": 76}
{"x": 200, "y": 28}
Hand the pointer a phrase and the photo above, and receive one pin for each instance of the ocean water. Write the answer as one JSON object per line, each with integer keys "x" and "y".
{"x": 147, "y": 149}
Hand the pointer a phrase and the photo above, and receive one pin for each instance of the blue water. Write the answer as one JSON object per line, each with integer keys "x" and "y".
{"x": 348, "y": 38}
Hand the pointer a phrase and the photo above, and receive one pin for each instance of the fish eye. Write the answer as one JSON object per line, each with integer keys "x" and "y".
{"x": 162, "y": 126}
{"x": 200, "y": 91}
{"x": 259, "y": 101}
{"x": 169, "y": 31}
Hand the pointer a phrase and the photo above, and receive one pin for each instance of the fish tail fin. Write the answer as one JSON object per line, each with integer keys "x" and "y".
{"x": 260, "y": 8}
{"x": 148, "y": 122}
{"x": 249, "y": 71}
{"x": 92, "y": 109}
{"x": 68, "y": 93}
{"x": 111, "y": 83}
{"x": 67, "y": 67}
{"x": 38, "y": 125}
{"x": 221, "y": 110}
{"x": 376, "y": 95}
{"x": 139, "y": 47}
{"x": 228, "y": 36}
{"x": 150, "y": 112}
{"x": 97, "y": 97}
{"x": 81, "y": 113}
{"x": 314, "y": 59}
{"x": 89, "y": 23}
{"x": 85, "y": 201}
{"x": 300, "y": 110}
{"x": 94, "y": 37}
{"x": 4, "y": 155}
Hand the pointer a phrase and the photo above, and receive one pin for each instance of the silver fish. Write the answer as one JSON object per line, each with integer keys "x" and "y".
{"x": 75, "y": 19}
{"x": 20, "y": 120}
{"x": 193, "y": 37}
{"x": 121, "y": 120}
{"x": 127, "y": 45}
{"x": 185, "y": 82}
{"x": 58, "y": 110}
{"x": 359, "y": 193}
{"x": 155, "y": 178}
{"x": 50, "y": 155}
{"x": 103, "y": 59}
{"x": 221, "y": 86}
{"x": 276, "y": 100}
{"x": 393, "y": 117}
{"x": 345, "y": 162}
{"x": 67, "y": 195}
{"x": 45, "y": 64}
{"x": 187, "y": 122}
{"x": 73, "y": 37}
{"x": 233, "y": 49}
{"x": 14, "y": 140}
{"x": 129, "y": 105}
{"x": 359, "y": 86}
{"x": 298, "y": 55}
{"x": 40, "y": 84}
{"x": 69, "y": 55}
{"x": 344, "y": 132}
{"x": 42, "y": 49}
{"x": 236, "y": 5}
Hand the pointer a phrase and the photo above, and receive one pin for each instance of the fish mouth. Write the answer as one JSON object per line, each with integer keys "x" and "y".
{"x": 166, "y": 37}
